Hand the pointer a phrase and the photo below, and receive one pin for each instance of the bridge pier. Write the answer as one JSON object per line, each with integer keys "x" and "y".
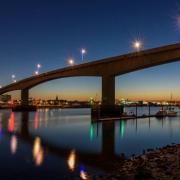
{"x": 108, "y": 108}
{"x": 108, "y": 90}
{"x": 24, "y": 102}
{"x": 24, "y": 97}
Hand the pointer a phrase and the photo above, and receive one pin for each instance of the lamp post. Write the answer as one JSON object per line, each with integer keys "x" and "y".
{"x": 83, "y": 52}
{"x": 38, "y": 66}
{"x": 13, "y": 78}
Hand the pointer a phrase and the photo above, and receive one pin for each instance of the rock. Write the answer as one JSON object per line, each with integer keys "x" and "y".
{"x": 162, "y": 163}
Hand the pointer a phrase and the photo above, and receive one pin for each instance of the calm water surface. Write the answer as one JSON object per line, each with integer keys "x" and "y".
{"x": 65, "y": 144}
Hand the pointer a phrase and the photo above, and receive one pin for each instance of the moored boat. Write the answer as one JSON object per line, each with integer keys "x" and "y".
{"x": 171, "y": 112}
{"x": 161, "y": 113}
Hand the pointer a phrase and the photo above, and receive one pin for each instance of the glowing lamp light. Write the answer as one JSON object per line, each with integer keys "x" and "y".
{"x": 0, "y": 86}
{"x": 36, "y": 72}
{"x": 71, "y": 62}
{"x": 83, "y": 51}
{"x": 14, "y": 81}
{"x": 137, "y": 45}
{"x": 13, "y": 76}
{"x": 39, "y": 66}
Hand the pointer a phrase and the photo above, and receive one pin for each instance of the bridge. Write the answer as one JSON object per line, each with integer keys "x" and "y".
{"x": 107, "y": 69}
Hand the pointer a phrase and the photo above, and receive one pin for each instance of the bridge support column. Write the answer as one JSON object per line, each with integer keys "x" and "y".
{"x": 25, "y": 97}
{"x": 108, "y": 107}
{"x": 24, "y": 102}
{"x": 108, "y": 90}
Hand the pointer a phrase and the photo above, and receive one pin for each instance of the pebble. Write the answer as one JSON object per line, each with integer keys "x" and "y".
{"x": 161, "y": 164}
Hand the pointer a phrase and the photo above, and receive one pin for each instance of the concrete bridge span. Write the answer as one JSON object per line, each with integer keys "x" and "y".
{"x": 106, "y": 68}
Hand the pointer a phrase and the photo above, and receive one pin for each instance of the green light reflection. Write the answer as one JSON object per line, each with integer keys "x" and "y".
{"x": 91, "y": 132}
{"x": 122, "y": 127}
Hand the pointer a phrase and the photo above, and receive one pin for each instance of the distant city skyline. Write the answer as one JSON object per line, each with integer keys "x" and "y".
{"x": 50, "y": 33}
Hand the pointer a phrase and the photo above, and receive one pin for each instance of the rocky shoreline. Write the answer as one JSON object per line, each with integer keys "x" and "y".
{"x": 162, "y": 163}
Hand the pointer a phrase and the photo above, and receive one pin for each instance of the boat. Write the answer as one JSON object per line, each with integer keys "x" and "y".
{"x": 161, "y": 113}
{"x": 168, "y": 112}
{"x": 171, "y": 112}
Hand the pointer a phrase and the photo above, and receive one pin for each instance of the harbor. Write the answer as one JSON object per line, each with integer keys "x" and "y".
{"x": 89, "y": 90}
{"x": 135, "y": 112}
{"x": 100, "y": 146}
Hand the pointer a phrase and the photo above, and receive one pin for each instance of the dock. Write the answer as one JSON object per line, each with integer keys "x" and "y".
{"x": 127, "y": 118}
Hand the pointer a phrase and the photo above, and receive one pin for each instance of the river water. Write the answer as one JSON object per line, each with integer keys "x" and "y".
{"x": 66, "y": 144}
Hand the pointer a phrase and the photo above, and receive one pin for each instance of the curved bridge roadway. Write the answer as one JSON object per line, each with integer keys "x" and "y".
{"x": 106, "y": 68}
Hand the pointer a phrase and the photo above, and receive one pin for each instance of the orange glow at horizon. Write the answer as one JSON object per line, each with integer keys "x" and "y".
{"x": 157, "y": 95}
{"x": 137, "y": 91}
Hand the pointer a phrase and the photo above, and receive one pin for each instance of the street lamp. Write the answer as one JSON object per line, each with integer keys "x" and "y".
{"x": 39, "y": 66}
{"x": 71, "y": 62}
{"x": 83, "y": 52}
{"x": 36, "y": 72}
{"x": 13, "y": 76}
{"x": 137, "y": 45}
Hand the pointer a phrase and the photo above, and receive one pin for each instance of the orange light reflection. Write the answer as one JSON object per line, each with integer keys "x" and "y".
{"x": 72, "y": 160}
{"x": 36, "y": 121}
{"x": 11, "y": 122}
{"x": 38, "y": 152}
{"x": 13, "y": 144}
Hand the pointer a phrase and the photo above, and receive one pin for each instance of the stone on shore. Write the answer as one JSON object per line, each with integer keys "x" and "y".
{"x": 163, "y": 163}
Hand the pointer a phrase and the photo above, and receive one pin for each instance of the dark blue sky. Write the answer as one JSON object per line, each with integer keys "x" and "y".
{"x": 49, "y": 32}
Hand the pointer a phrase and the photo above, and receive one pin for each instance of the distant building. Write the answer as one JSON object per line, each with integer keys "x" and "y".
{"x": 5, "y": 98}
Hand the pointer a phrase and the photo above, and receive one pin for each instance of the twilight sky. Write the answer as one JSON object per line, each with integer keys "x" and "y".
{"x": 50, "y": 31}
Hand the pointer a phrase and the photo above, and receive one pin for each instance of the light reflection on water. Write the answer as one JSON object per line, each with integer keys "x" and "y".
{"x": 72, "y": 160}
{"x": 67, "y": 143}
{"x": 13, "y": 144}
{"x": 38, "y": 152}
